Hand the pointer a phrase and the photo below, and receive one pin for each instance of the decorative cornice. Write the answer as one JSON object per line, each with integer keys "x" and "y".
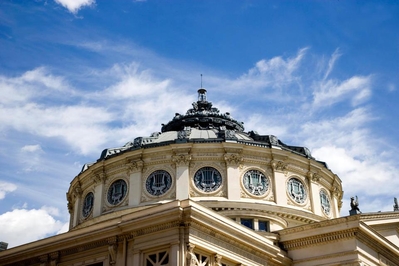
{"x": 319, "y": 239}
{"x": 329, "y": 256}
{"x": 156, "y": 228}
{"x": 319, "y": 224}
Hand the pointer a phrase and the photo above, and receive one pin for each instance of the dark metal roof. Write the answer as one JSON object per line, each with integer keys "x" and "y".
{"x": 203, "y": 124}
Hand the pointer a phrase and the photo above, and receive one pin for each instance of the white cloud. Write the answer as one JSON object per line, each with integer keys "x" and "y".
{"x": 274, "y": 73}
{"x": 5, "y": 188}
{"x": 351, "y": 150}
{"x": 21, "y": 226}
{"x": 329, "y": 92}
{"x": 74, "y": 5}
{"x": 33, "y": 84}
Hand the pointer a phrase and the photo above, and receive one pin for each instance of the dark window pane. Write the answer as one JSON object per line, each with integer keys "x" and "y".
{"x": 248, "y": 223}
{"x": 263, "y": 226}
{"x": 153, "y": 257}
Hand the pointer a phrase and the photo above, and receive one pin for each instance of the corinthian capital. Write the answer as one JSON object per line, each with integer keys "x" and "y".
{"x": 135, "y": 166}
{"x": 233, "y": 158}
{"x": 181, "y": 159}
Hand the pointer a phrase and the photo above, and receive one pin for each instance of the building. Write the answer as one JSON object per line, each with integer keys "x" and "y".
{"x": 204, "y": 192}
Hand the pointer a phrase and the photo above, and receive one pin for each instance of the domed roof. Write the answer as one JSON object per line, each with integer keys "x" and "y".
{"x": 203, "y": 123}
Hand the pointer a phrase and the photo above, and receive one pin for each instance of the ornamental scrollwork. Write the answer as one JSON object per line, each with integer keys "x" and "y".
{"x": 182, "y": 159}
{"x": 233, "y": 159}
{"x": 191, "y": 258}
{"x": 70, "y": 207}
{"x": 134, "y": 166}
{"x": 279, "y": 165}
{"x": 314, "y": 176}
{"x": 112, "y": 254}
{"x": 336, "y": 192}
{"x": 218, "y": 260}
{"x": 77, "y": 192}
{"x": 100, "y": 177}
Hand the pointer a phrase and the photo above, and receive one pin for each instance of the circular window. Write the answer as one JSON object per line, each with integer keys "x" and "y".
{"x": 255, "y": 182}
{"x": 158, "y": 183}
{"x": 117, "y": 192}
{"x": 207, "y": 179}
{"x": 88, "y": 204}
{"x": 296, "y": 190}
{"x": 325, "y": 202}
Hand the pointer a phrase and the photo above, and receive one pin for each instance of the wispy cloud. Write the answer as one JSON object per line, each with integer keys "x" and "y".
{"x": 329, "y": 92}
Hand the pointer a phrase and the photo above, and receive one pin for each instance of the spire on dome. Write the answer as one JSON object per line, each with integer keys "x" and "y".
{"x": 203, "y": 116}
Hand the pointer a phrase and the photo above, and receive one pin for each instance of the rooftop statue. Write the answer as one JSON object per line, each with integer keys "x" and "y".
{"x": 354, "y": 206}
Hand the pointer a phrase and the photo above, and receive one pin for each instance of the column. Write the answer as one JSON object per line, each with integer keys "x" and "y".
{"x": 279, "y": 182}
{"x": 233, "y": 161}
{"x": 182, "y": 162}
{"x": 135, "y": 169}
{"x": 98, "y": 193}
{"x": 77, "y": 194}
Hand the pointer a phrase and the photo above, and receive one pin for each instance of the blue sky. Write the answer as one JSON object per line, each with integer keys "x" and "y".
{"x": 78, "y": 76}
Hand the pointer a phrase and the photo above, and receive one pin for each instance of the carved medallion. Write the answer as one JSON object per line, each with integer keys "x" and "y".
{"x": 255, "y": 182}
{"x": 117, "y": 192}
{"x": 158, "y": 183}
{"x": 208, "y": 179}
{"x": 88, "y": 204}
{"x": 325, "y": 202}
{"x": 296, "y": 190}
